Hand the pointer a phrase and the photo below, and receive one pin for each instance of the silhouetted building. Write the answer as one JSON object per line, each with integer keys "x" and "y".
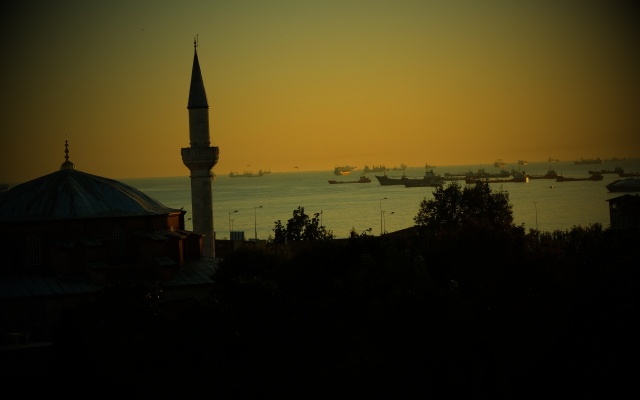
{"x": 67, "y": 234}
{"x": 71, "y": 222}
{"x": 624, "y": 212}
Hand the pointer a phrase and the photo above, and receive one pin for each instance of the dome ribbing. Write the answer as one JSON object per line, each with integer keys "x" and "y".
{"x": 72, "y": 194}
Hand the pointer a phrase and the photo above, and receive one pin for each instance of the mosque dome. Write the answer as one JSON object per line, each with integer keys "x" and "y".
{"x": 72, "y": 194}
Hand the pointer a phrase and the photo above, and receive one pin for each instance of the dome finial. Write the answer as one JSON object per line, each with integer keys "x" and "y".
{"x": 67, "y": 165}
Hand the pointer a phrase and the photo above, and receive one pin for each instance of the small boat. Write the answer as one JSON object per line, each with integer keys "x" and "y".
{"x": 624, "y": 185}
{"x": 523, "y": 162}
{"x": 499, "y": 163}
{"x": 594, "y": 177}
{"x": 363, "y": 179}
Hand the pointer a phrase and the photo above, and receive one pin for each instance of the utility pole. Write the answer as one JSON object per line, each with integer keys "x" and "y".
{"x": 231, "y": 226}
{"x": 381, "y": 215}
{"x": 255, "y": 223}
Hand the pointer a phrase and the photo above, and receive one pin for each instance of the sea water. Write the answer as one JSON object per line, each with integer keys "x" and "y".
{"x": 253, "y": 204}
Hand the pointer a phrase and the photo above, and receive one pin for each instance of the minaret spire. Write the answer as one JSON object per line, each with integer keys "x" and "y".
{"x": 197, "y": 94}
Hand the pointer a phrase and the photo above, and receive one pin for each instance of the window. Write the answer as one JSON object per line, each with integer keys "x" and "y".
{"x": 34, "y": 251}
{"x": 117, "y": 243}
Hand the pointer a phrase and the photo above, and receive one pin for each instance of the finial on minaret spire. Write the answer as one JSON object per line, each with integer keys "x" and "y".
{"x": 67, "y": 165}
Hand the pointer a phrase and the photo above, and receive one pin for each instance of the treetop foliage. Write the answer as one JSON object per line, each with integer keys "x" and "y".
{"x": 455, "y": 208}
{"x": 301, "y": 228}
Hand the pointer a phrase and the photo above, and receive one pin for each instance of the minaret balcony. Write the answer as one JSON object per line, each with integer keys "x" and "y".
{"x": 200, "y": 158}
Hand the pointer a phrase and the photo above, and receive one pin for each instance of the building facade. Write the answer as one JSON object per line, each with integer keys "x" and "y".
{"x": 71, "y": 222}
{"x": 624, "y": 212}
{"x": 66, "y": 235}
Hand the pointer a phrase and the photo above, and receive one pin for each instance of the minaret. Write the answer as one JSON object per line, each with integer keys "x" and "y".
{"x": 200, "y": 158}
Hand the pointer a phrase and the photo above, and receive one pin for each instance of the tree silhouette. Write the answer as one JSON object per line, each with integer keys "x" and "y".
{"x": 455, "y": 208}
{"x": 301, "y": 228}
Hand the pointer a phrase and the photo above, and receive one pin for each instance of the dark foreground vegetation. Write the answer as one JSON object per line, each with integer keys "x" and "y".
{"x": 464, "y": 305}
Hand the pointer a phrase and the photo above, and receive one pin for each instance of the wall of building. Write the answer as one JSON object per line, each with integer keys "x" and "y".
{"x": 69, "y": 246}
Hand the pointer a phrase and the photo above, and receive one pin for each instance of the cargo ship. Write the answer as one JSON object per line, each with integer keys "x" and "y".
{"x": 379, "y": 168}
{"x": 517, "y": 177}
{"x": 551, "y": 174}
{"x": 429, "y": 179}
{"x": 594, "y": 177}
{"x": 616, "y": 170}
{"x": 363, "y": 179}
{"x": 346, "y": 170}
{"x": 583, "y": 161}
{"x": 245, "y": 174}
{"x": 481, "y": 173}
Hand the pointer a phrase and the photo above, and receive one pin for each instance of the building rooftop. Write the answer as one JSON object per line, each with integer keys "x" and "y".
{"x": 72, "y": 194}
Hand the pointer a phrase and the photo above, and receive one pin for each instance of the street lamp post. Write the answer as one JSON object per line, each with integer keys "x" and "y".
{"x": 255, "y": 223}
{"x": 381, "y": 215}
{"x": 230, "y": 225}
{"x": 535, "y": 204}
{"x": 384, "y": 219}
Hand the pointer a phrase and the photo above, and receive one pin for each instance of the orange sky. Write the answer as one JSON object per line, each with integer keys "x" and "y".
{"x": 316, "y": 84}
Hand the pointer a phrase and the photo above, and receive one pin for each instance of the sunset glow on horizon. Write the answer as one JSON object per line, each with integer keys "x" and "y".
{"x": 313, "y": 84}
